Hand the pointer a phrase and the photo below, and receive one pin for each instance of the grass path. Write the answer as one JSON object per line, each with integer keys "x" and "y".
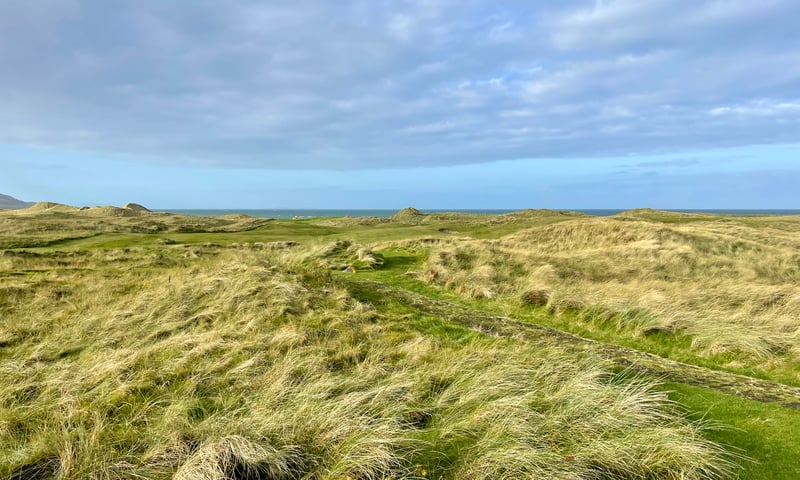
{"x": 669, "y": 370}
{"x": 753, "y": 417}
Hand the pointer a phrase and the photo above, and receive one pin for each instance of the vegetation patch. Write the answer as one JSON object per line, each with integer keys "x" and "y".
{"x": 248, "y": 364}
{"x": 344, "y": 254}
{"x": 730, "y": 288}
{"x": 143, "y": 345}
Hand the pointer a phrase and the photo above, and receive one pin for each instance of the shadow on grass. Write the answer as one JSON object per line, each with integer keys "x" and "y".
{"x": 399, "y": 262}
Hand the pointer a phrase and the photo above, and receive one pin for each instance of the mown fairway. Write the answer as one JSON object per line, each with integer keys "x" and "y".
{"x": 140, "y": 345}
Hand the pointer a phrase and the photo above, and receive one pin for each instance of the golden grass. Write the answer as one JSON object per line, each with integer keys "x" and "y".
{"x": 340, "y": 254}
{"x": 731, "y": 286}
{"x": 46, "y": 222}
{"x": 233, "y": 363}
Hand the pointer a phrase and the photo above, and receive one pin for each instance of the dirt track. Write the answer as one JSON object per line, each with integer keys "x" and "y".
{"x": 668, "y": 370}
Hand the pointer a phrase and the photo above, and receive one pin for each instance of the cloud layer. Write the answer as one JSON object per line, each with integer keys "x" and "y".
{"x": 388, "y": 84}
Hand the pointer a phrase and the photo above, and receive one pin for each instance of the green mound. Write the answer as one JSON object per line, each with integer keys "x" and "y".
{"x": 51, "y": 207}
{"x": 409, "y": 215}
{"x": 136, "y": 208}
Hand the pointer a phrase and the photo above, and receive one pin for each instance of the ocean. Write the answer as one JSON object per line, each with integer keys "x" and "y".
{"x": 308, "y": 213}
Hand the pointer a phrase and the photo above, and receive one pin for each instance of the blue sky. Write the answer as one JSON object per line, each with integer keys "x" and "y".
{"x": 385, "y": 104}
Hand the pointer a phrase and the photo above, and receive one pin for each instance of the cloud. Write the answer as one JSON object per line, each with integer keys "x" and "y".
{"x": 351, "y": 85}
{"x": 759, "y": 108}
{"x": 636, "y": 24}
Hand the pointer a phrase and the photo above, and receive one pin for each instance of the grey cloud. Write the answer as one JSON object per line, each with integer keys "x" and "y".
{"x": 350, "y": 85}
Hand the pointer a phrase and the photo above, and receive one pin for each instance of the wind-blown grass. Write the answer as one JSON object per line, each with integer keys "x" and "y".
{"x": 233, "y": 363}
{"x": 731, "y": 288}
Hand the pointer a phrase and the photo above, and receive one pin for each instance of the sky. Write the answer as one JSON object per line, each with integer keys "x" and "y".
{"x": 387, "y": 104}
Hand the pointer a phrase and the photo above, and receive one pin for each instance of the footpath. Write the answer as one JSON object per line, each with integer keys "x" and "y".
{"x": 634, "y": 360}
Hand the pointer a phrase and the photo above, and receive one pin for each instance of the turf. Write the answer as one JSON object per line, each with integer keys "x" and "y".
{"x": 767, "y": 434}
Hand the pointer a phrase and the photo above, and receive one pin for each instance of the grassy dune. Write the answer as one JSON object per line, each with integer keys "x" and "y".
{"x": 229, "y": 348}
{"x": 47, "y": 224}
{"x": 730, "y": 288}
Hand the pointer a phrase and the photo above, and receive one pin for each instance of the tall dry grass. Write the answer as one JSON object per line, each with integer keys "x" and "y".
{"x": 733, "y": 288}
{"x": 208, "y": 363}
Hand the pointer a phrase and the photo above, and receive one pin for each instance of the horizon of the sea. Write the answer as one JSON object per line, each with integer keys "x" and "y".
{"x": 280, "y": 213}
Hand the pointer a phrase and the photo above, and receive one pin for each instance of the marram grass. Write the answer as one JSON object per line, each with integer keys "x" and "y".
{"x": 213, "y": 363}
{"x": 731, "y": 288}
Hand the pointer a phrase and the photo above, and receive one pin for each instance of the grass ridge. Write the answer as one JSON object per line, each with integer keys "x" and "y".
{"x": 643, "y": 362}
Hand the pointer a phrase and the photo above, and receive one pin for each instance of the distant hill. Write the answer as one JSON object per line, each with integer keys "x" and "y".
{"x": 11, "y": 203}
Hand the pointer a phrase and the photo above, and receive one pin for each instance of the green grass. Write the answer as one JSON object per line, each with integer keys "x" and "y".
{"x": 768, "y": 434}
{"x": 720, "y": 292}
{"x": 662, "y": 343}
{"x": 305, "y": 230}
{"x": 295, "y": 230}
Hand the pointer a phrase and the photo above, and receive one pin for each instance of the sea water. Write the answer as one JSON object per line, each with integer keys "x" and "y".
{"x": 309, "y": 213}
